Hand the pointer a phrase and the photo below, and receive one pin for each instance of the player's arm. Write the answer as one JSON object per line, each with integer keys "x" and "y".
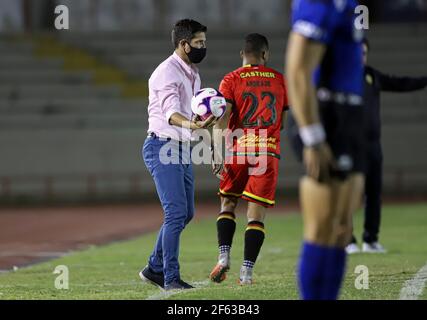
{"x": 217, "y": 141}
{"x": 284, "y": 118}
{"x": 227, "y": 88}
{"x": 303, "y": 56}
{"x": 177, "y": 119}
{"x": 218, "y": 130}
{"x": 286, "y": 105}
{"x": 222, "y": 122}
{"x": 400, "y": 84}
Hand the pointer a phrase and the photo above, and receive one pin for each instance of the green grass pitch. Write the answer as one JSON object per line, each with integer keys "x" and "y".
{"x": 111, "y": 271}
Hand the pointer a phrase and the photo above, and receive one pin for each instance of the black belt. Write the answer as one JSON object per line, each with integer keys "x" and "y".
{"x": 155, "y": 136}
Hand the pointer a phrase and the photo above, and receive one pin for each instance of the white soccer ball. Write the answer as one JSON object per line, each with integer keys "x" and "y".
{"x": 208, "y": 102}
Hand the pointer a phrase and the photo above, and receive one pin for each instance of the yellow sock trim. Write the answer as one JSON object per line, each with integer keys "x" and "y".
{"x": 255, "y": 228}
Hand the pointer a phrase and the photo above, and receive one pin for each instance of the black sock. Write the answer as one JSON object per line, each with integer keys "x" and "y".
{"x": 254, "y": 238}
{"x": 226, "y": 226}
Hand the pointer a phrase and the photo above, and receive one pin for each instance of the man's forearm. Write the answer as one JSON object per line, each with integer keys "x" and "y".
{"x": 305, "y": 108}
{"x": 220, "y": 126}
{"x": 217, "y": 134}
{"x": 179, "y": 120}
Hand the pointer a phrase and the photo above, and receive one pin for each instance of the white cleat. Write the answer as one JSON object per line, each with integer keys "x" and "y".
{"x": 219, "y": 272}
{"x": 373, "y": 247}
{"x": 352, "y": 248}
{"x": 224, "y": 259}
{"x": 245, "y": 276}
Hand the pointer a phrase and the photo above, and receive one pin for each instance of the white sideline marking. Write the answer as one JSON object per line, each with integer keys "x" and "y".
{"x": 166, "y": 294}
{"x": 414, "y": 287}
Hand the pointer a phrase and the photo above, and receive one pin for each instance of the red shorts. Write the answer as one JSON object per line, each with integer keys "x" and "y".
{"x": 252, "y": 182}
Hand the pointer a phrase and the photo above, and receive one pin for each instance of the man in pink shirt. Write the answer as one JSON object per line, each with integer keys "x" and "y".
{"x": 171, "y": 87}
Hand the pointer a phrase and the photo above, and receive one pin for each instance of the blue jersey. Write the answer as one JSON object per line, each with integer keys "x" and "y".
{"x": 332, "y": 23}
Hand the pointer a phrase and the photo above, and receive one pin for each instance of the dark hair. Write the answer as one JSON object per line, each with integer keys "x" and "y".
{"x": 185, "y": 29}
{"x": 255, "y": 44}
{"x": 366, "y": 43}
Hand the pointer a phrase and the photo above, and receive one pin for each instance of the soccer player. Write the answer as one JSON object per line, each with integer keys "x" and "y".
{"x": 375, "y": 82}
{"x": 171, "y": 86}
{"x": 325, "y": 81}
{"x": 256, "y": 100}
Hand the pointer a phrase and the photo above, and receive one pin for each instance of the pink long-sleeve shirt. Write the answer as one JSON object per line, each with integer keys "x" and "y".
{"x": 171, "y": 87}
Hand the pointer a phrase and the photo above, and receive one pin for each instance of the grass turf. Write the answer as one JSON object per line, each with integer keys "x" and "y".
{"x": 111, "y": 271}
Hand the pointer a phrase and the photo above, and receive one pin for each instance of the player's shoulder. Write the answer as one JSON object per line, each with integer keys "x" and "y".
{"x": 232, "y": 76}
{"x": 235, "y": 73}
{"x": 317, "y": 19}
{"x": 321, "y": 12}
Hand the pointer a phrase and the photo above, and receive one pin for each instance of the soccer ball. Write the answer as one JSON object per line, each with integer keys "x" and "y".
{"x": 208, "y": 102}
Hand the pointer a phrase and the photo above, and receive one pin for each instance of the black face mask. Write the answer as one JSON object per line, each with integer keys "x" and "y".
{"x": 196, "y": 55}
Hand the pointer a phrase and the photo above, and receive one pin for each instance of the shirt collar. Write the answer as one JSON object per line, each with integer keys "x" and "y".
{"x": 189, "y": 69}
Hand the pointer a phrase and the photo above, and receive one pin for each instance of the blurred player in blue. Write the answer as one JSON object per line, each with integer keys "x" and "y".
{"x": 325, "y": 77}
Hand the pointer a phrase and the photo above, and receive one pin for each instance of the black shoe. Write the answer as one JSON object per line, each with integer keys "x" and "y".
{"x": 178, "y": 285}
{"x": 148, "y": 275}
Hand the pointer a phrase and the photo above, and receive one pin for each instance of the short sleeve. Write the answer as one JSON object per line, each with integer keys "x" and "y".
{"x": 311, "y": 19}
{"x": 226, "y": 88}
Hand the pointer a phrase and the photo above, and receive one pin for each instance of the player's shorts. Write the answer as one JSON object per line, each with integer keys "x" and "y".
{"x": 257, "y": 185}
{"x": 344, "y": 126}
